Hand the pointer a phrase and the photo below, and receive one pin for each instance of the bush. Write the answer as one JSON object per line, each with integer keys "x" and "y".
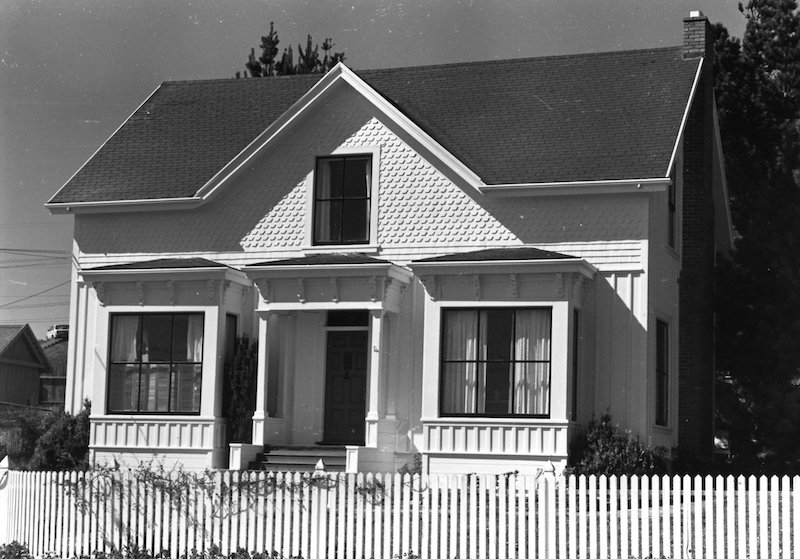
{"x": 14, "y": 550}
{"x": 606, "y": 449}
{"x": 45, "y": 440}
{"x": 65, "y": 444}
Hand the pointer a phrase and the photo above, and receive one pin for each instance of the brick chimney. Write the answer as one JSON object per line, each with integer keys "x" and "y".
{"x": 696, "y": 36}
{"x": 696, "y": 290}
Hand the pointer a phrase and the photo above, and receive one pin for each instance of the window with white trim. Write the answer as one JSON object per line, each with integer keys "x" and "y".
{"x": 155, "y": 363}
{"x": 342, "y": 200}
{"x": 496, "y": 362}
{"x": 662, "y": 372}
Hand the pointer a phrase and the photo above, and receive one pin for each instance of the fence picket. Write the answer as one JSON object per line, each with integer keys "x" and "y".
{"x": 397, "y": 487}
{"x": 415, "y": 513}
{"x": 785, "y": 512}
{"x": 774, "y": 522}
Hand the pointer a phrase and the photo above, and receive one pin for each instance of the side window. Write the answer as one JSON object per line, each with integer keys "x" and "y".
{"x": 342, "y": 198}
{"x": 662, "y": 373}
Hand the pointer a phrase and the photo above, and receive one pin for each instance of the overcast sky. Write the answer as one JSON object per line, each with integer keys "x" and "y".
{"x": 72, "y": 72}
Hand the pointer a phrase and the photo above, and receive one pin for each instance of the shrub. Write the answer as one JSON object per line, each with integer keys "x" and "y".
{"x": 609, "y": 450}
{"x": 43, "y": 440}
{"x": 14, "y": 550}
{"x": 65, "y": 443}
{"x": 240, "y": 390}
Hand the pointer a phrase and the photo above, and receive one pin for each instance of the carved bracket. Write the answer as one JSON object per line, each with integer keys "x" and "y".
{"x": 210, "y": 285}
{"x": 476, "y": 286}
{"x": 100, "y": 291}
{"x": 171, "y": 292}
{"x": 245, "y": 293}
{"x": 431, "y": 286}
{"x": 335, "y": 289}
{"x": 140, "y": 292}
{"x": 225, "y": 290}
{"x": 263, "y": 288}
{"x": 512, "y": 286}
{"x": 559, "y": 284}
{"x": 301, "y": 290}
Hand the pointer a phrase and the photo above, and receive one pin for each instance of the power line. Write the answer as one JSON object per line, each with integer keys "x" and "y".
{"x": 34, "y": 295}
{"x": 36, "y": 251}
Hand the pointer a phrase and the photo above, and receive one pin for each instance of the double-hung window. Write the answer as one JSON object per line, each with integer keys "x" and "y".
{"x": 342, "y": 198}
{"x": 496, "y": 362}
{"x": 662, "y": 372}
{"x": 156, "y": 363}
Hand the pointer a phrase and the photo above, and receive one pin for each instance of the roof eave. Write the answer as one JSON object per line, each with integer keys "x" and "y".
{"x": 117, "y": 206}
{"x": 578, "y": 265}
{"x": 682, "y": 128}
{"x": 610, "y": 186}
{"x": 267, "y": 271}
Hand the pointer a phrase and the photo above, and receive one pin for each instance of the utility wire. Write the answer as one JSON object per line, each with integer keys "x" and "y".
{"x": 34, "y": 295}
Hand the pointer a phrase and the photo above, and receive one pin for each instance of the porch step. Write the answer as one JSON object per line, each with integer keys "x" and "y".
{"x": 302, "y": 458}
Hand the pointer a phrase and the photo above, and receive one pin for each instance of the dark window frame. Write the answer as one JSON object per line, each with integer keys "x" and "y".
{"x": 343, "y": 201}
{"x": 510, "y": 363}
{"x": 171, "y": 363}
{"x": 662, "y": 373}
{"x": 672, "y": 211}
{"x": 576, "y": 336}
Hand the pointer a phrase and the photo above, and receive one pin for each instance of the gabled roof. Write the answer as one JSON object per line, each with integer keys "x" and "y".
{"x": 22, "y": 333}
{"x": 607, "y": 116}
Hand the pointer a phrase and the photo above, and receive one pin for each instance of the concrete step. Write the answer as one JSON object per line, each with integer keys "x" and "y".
{"x": 303, "y": 458}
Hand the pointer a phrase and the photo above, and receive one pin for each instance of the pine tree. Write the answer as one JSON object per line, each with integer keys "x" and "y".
{"x": 308, "y": 59}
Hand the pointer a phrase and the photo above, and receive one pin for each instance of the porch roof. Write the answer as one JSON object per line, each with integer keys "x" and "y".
{"x": 323, "y": 260}
{"x": 499, "y": 254}
{"x": 162, "y": 264}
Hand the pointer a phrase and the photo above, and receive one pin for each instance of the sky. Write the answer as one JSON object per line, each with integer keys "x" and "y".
{"x": 71, "y": 72}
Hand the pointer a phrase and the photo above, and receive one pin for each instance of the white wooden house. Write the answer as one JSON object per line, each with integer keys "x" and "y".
{"x": 467, "y": 261}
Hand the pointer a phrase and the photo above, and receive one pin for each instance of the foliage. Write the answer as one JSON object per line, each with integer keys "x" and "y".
{"x": 609, "y": 450}
{"x": 65, "y": 444}
{"x": 757, "y": 88}
{"x": 14, "y": 550}
{"x": 36, "y": 439}
{"x": 308, "y": 61}
{"x": 241, "y": 389}
{"x": 414, "y": 467}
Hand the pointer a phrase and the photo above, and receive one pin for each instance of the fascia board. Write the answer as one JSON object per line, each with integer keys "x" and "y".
{"x": 326, "y": 270}
{"x": 685, "y": 117}
{"x": 611, "y": 186}
{"x": 504, "y": 267}
{"x": 184, "y": 273}
{"x": 49, "y": 204}
{"x": 121, "y": 206}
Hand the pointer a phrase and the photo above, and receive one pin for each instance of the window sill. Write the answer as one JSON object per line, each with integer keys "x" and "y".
{"x": 331, "y": 249}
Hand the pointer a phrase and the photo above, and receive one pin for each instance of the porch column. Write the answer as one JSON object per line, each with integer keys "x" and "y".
{"x": 259, "y": 416}
{"x": 374, "y": 391}
{"x": 376, "y": 343}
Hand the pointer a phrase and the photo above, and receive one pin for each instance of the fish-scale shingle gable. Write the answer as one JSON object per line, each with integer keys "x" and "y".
{"x": 601, "y": 116}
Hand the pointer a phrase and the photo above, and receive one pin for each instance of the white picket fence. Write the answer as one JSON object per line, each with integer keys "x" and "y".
{"x": 386, "y": 516}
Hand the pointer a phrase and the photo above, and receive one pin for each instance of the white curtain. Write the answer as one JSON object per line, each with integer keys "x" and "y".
{"x": 194, "y": 338}
{"x": 532, "y": 380}
{"x": 463, "y": 377}
{"x": 123, "y": 344}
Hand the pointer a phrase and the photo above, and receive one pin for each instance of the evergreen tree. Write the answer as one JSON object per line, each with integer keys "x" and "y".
{"x": 758, "y": 311}
{"x": 308, "y": 61}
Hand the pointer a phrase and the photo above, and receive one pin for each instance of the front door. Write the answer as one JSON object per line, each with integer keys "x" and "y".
{"x": 346, "y": 387}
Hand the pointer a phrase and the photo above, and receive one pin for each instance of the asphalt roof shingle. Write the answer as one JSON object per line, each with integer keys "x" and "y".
{"x": 563, "y": 118}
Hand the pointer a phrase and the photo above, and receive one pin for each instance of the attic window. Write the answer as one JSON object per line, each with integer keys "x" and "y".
{"x": 342, "y": 196}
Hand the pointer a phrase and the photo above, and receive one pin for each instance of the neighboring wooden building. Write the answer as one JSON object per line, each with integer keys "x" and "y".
{"x": 468, "y": 261}
{"x": 22, "y": 361}
{"x": 52, "y": 384}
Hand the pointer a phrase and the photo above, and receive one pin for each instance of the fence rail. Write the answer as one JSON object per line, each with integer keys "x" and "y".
{"x": 358, "y": 516}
